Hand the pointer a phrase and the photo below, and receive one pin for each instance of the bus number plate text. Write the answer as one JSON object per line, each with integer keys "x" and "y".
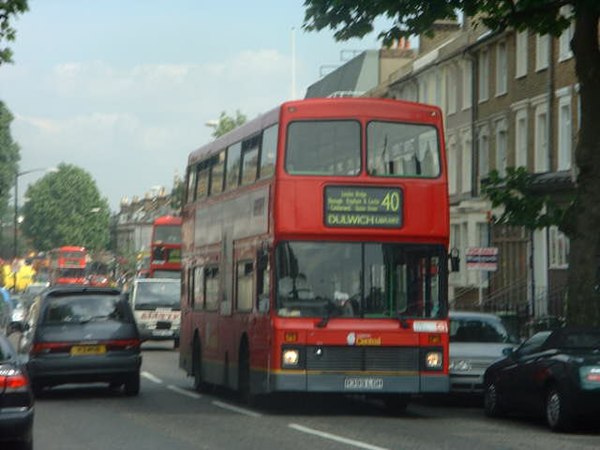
{"x": 363, "y": 207}
{"x": 369, "y": 384}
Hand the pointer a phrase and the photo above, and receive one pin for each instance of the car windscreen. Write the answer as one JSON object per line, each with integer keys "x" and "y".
{"x": 76, "y": 309}
{"x": 478, "y": 330}
{"x": 152, "y": 295}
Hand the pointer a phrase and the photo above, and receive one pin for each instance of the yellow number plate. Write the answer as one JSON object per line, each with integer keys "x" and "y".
{"x": 78, "y": 350}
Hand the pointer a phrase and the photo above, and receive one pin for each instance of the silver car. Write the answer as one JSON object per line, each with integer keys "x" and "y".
{"x": 476, "y": 341}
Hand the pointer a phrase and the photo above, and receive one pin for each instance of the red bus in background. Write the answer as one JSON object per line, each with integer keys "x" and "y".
{"x": 315, "y": 252}
{"x": 165, "y": 248}
{"x": 67, "y": 265}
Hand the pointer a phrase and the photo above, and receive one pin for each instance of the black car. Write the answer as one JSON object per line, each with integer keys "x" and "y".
{"x": 553, "y": 373}
{"x": 78, "y": 334}
{"x": 16, "y": 399}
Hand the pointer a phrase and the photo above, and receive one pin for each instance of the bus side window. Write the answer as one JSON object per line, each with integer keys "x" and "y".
{"x": 268, "y": 151}
{"x": 197, "y": 286}
{"x": 245, "y": 278}
{"x": 263, "y": 282}
{"x": 211, "y": 288}
{"x": 233, "y": 168}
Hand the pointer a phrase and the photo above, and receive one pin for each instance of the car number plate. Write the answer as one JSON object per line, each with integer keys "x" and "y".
{"x": 364, "y": 383}
{"x": 162, "y": 332}
{"x": 79, "y": 350}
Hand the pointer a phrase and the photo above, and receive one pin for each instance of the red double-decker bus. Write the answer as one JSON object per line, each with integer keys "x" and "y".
{"x": 165, "y": 248}
{"x": 315, "y": 252}
{"x": 67, "y": 265}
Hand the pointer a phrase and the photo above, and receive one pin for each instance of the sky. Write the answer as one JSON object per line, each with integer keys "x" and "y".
{"x": 124, "y": 88}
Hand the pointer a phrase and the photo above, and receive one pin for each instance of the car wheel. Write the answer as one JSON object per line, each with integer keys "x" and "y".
{"x": 132, "y": 385}
{"x": 244, "y": 377}
{"x": 492, "y": 404}
{"x": 558, "y": 415}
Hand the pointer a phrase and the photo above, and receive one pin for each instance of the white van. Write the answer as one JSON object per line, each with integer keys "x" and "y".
{"x": 157, "y": 309}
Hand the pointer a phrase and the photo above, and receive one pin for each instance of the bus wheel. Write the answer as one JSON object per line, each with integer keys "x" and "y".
{"x": 395, "y": 403}
{"x": 199, "y": 384}
{"x": 244, "y": 377}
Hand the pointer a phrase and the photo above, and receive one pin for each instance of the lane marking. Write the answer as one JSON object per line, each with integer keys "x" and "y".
{"x": 236, "y": 409}
{"x": 184, "y": 392}
{"x": 334, "y": 437}
{"x": 151, "y": 377}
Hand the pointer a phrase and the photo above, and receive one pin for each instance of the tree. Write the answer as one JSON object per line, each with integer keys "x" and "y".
{"x": 227, "y": 123}
{"x": 9, "y": 9}
{"x": 65, "y": 208}
{"x": 354, "y": 18}
{"x": 9, "y": 158}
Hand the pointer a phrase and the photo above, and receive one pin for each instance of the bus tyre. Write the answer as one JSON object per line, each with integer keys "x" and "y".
{"x": 132, "y": 385}
{"x": 244, "y": 377}
{"x": 199, "y": 384}
{"x": 395, "y": 403}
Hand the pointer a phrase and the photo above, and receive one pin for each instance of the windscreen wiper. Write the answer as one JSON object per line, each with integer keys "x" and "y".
{"x": 329, "y": 307}
{"x": 403, "y": 323}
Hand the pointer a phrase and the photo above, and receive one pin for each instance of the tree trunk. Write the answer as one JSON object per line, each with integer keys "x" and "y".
{"x": 583, "y": 305}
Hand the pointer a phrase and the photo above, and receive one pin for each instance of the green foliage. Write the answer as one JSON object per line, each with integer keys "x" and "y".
{"x": 9, "y": 9}
{"x": 355, "y": 18}
{"x": 9, "y": 158}
{"x": 227, "y": 123}
{"x": 65, "y": 208}
{"x": 515, "y": 194}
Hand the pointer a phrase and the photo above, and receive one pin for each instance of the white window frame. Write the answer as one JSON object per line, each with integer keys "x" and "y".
{"x": 484, "y": 76}
{"x": 565, "y": 133}
{"x": 564, "y": 41}
{"x": 501, "y": 68}
{"x": 521, "y": 134}
{"x": 521, "y": 60}
{"x": 501, "y": 137}
{"x": 541, "y": 163}
{"x": 542, "y": 47}
{"x": 558, "y": 249}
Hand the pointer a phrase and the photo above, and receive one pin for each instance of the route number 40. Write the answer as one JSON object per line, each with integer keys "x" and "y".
{"x": 391, "y": 201}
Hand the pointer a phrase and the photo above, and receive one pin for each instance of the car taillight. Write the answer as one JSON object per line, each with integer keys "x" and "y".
{"x": 50, "y": 347}
{"x": 13, "y": 381}
{"x": 123, "y": 344}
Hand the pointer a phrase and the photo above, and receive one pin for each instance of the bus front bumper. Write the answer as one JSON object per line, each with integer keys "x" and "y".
{"x": 363, "y": 384}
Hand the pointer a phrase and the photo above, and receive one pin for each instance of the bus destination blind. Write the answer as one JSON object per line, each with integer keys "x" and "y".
{"x": 366, "y": 207}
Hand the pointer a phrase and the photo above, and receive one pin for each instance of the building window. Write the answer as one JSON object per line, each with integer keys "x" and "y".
{"x": 452, "y": 166}
{"x": 559, "y": 249}
{"x": 452, "y": 89}
{"x": 521, "y": 138}
{"x": 541, "y": 51}
{"x": 564, "y": 133}
{"x": 541, "y": 139}
{"x": 484, "y": 75}
{"x": 501, "y": 69}
{"x": 501, "y": 137}
{"x": 483, "y": 234}
{"x": 467, "y": 86}
{"x": 564, "y": 41}
{"x": 484, "y": 153}
{"x": 522, "y": 41}
{"x": 467, "y": 165}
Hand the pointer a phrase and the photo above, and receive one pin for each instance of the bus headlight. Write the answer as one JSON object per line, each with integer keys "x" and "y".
{"x": 433, "y": 360}
{"x": 290, "y": 358}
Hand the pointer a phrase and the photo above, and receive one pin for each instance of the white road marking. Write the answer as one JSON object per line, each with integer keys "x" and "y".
{"x": 236, "y": 409}
{"x": 184, "y": 392}
{"x": 151, "y": 377}
{"x": 334, "y": 437}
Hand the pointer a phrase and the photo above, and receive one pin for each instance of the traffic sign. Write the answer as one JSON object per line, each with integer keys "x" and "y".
{"x": 482, "y": 258}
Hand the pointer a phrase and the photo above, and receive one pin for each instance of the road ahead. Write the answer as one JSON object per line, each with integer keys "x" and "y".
{"x": 168, "y": 414}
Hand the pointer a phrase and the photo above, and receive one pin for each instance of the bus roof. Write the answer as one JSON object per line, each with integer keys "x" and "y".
{"x": 167, "y": 220}
{"x": 350, "y": 105}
